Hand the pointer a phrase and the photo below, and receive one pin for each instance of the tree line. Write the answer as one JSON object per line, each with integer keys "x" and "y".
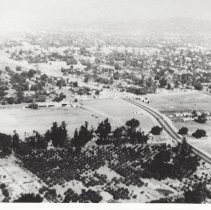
{"x": 57, "y": 137}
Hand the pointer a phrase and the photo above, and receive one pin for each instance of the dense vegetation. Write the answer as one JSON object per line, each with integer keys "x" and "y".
{"x": 125, "y": 151}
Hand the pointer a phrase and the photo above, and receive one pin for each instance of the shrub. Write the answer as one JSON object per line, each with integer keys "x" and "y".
{"x": 33, "y": 106}
{"x": 183, "y": 131}
{"x": 5, "y": 144}
{"x": 156, "y": 130}
{"x": 103, "y": 130}
{"x": 199, "y": 133}
{"x": 29, "y": 198}
{"x": 133, "y": 124}
{"x": 201, "y": 118}
{"x": 41, "y": 98}
{"x": 90, "y": 196}
{"x": 198, "y": 86}
{"x": 198, "y": 194}
{"x": 18, "y": 68}
{"x": 28, "y": 99}
{"x": 10, "y": 100}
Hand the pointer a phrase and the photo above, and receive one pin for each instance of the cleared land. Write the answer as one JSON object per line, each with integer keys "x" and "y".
{"x": 186, "y": 101}
{"x": 93, "y": 111}
{"x": 17, "y": 179}
{"x": 26, "y": 120}
{"x": 121, "y": 111}
{"x": 180, "y": 101}
{"x": 51, "y": 68}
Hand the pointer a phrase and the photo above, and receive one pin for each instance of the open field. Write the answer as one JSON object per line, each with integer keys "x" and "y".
{"x": 26, "y": 120}
{"x": 180, "y": 101}
{"x": 6, "y": 61}
{"x": 51, "y": 68}
{"x": 17, "y": 179}
{"x": 186, "y": 101}
{"x": 94, "y": 111}
{"x": 192, "y": 126}
{"x": 122, "y": 111}
{"x": 204, "y": 143}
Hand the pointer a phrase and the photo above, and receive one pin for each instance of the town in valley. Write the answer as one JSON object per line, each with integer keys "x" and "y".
{"x": 106, "y": 112}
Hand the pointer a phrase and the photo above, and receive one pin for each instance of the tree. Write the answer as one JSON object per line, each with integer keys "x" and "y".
{"x": 185, "y": 162}
{"x": 131, "y": 130}
{"x": 90, "y": 196}
{"x": 71, "y": 196}
{"x": 60, "y": 83}
{"x": 119, "y": 135}
{"x": 5, "y": 144}
{"x": 156, "y": 130}
{"x": 116, "y": 76}
{"x": 2, "y": 93}
{"x": 103, "y": 130}
{"x": 198, "y": 86}
{"x": 15, "y": 141}
{"x": 183, "y": 131}
{"x": 197, "y": 194}
{"x": 18, "y": 68}
{"x": 163, "y": 82}
{"x": 33, "y": 106}
{"x": 82, "y": 137}
{"x": 20, "y": 96}
{"x": 75, "y": 84}
{"x": 160, "y": 167}
{"x": 41, "y": 98}
{"x": 194, "y": 113}
{"x": 141, "y": 138}
{"x": 10, "y": 100}
{"x": 118, "y": 132}
{"x": 36, "y": 141}
{"x": 31, "y": 73}
{"x": 86, "y": 78}
{"x": 75, "y": 137}
{"x": 58, "y": 134}
{"x": 199, "y": 133}
{"x": 201, "y": 118}
{"x": 55, "y": 134}
{"x": 23, "y": 149}
{"x": 63, "y": 133}
{"x": 174, "y": 162}
{"x": 29, "y": 198}
{"x": 133, "y": 124}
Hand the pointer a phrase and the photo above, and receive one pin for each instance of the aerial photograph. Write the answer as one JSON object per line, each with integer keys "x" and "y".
{"x": 105, "y": 101}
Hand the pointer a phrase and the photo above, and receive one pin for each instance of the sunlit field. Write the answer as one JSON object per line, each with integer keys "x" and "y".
{"x": 94, "y": 111}
{"x": 181, "y": 101}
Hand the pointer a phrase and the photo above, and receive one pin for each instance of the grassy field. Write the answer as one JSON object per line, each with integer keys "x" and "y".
{"x": 51, "y": 69}
{"x": 94, "y": 111}
{"x": 17, "y": 179}
{"x": 183, "y": 101}
{"x": 121, "y": 111}
{"x": 186, "y": 101}
{"x": 27, "y": 120}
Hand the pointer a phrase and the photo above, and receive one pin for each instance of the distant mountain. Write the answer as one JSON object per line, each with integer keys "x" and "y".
{"x": 157, "y": 26}
{"x": 173, "y": 25}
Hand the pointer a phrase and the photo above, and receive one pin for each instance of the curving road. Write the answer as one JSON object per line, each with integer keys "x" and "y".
{"x": 169, "y": 128}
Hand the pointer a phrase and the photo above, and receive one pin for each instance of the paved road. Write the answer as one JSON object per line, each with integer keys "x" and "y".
{"x": 169, "y": 128}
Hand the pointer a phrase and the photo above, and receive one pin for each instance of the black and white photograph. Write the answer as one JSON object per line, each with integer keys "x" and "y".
{"x": 105, "y": 101}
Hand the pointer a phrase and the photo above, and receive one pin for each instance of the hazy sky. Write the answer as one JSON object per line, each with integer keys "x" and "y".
{"x": 17, "y": 13}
